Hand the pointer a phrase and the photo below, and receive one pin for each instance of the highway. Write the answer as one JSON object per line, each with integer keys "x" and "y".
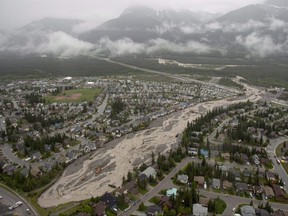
{"x": 10, "y": 199}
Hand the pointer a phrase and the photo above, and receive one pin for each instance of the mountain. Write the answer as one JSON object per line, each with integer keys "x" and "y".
{"x": 50, "y": 24}
{"x": 140, "y": 24}
{"x": 258, "y": 30}
{"x": 258, "y": 12}
{"x": 278, "y": 3}
{"x": 36, "y": 32}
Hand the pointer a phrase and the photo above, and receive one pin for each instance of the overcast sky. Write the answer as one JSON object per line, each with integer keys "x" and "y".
{"x": 16, "y": 13}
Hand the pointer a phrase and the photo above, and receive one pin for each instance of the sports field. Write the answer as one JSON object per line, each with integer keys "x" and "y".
{"x": 75, "y": 95}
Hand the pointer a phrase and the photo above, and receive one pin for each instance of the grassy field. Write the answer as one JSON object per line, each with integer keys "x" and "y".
{"x": 75, "y": 95}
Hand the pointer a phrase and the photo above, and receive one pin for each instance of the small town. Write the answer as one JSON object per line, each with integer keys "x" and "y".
{"x": 229, "y": 152}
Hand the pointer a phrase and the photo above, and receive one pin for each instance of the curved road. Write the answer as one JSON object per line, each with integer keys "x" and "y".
{"x": 231, "y": 201}
{"x": 10, "y": 199}
{"x": 271, "y": 150}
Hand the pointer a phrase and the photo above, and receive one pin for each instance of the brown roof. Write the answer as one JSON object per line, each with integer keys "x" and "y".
{"x": 227, "y": 184}
{"x": 269, "y": 191}
{"x": 204, "y": 201}
{"x": 127, "y": 187}
{"x": 35, "y": 171}
{"x": 199, "y": 179}
{"x": 278, "y": 191}
{"x": 99, "y": 208}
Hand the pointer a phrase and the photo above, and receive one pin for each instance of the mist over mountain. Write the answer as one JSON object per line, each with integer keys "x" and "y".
{"x": 254, "y": 31}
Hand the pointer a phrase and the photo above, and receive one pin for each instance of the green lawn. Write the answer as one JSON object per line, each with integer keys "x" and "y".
{"x": 285, "y": 166}
{"x": 220, "y": 206}
{"x": 74, "y": 95}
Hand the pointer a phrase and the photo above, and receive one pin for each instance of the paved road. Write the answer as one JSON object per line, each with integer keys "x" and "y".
{"x": 271, "y": 150}
{"x": 166, "y": 183}
{"x": 10, "y": 199}
{"x": 231, "y": 201}
{"x": 234, "y": 201}
{"x": 6, "y": 150}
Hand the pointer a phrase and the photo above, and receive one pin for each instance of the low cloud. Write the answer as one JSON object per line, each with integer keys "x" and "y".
{"x": 56, "y": 43}
{"x": 120, "y": 47}
{"x": 261, "y": 45}
{"x": 62, "y": 44}
{"x": 126, "y": 46}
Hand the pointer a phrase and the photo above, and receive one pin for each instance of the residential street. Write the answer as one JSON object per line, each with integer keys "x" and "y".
{"x": 10, "y": 199}
{"x": 271, "y": 149}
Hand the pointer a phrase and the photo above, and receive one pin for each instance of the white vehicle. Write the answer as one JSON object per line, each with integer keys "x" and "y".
{"x": 1, "y": 197}
{"x": 15, "y": 205}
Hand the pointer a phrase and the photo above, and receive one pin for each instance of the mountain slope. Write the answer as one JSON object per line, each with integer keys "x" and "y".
{"x": 140, "y": 24}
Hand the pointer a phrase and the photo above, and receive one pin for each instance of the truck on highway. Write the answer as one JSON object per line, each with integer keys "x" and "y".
{"x": 15, "y": 205}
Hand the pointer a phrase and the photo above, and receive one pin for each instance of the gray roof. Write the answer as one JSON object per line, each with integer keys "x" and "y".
{"x": 248, "y": 210}
{"x": 150, "y": 171}
{"x": 216, "y": 183}
{"x": 199, "y": 210}
{"x": 182, "y": 178}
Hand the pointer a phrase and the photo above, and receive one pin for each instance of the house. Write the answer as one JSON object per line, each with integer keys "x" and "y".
{"x": 47, "y": 148}
{"x": 265, "y": 161}
{"x": 227, "y": 185}
{"x": 47, "y": 167}
{"x": 25, "y": 172}
{"x": 193, "y": 151}
{"x": 153, "y": 210}
{"x": 256, "y": 159}
{"x": 271, "y": 177}
{"x": 204, "y": 153}
{"x": 262, "y": 212}
{"x": 246, "y": 172}
{"x": 226, "y": 156}
{"x": 8, "y": 169}
{"x": 199, "y": 210}
{"x": 99, "y": 208}
{"x": 235, "y": 173}
{"x": 216, "y": 183}
{"x": 241, "y": 187}
{"x": 200, "y": 180}
{"x": 183, "y": 179}
{"x": 36, "y": 155}
{"x": 280, "y": 213}
{"x": 130, "y": 187}
{"x": 247, "y": 210}
{"x": 269, "y": 193}
{"x": 71, "y": 155}
{"x": 244, "y": 158}
{"x": 34, "y": 171}
{"x": 279, "y": 193}
{"x": 223, "y": 168}
{"x": 204, "y": 201}
{"x": 165, "y": 201}
{"x": 171, "y": 192}
{"x": 150, "y": 171}
{"x": 258, "y": 190}
{"x": 109, "y": 200}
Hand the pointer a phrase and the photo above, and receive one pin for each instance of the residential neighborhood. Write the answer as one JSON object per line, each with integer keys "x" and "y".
{"x": 47, "y": 127}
